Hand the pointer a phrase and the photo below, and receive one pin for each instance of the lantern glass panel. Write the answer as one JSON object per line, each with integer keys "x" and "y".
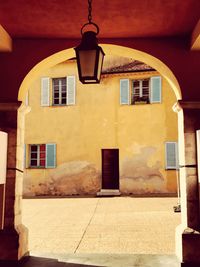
{"x": 87, "y": 62}
{"x": 100, "y": 63}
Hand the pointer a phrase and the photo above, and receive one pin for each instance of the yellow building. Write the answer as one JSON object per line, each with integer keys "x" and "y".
{"x": 120, "y": 134}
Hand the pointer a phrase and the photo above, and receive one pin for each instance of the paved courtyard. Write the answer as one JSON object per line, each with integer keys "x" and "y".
{"x": 122, "y": 225}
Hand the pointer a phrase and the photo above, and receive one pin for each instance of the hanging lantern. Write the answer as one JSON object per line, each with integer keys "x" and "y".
{"x": 89, "y": 55}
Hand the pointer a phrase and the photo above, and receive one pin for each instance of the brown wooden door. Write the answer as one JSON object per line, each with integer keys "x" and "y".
{"x": 110, "y": 168}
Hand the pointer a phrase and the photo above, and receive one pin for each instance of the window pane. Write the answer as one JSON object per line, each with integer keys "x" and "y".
{"x": 63, "y": 81}
{"x": 56, "y": 101}
{"x": 55, "y": 82}
{"x": 145, "y": 91}
{"x": 56, "y": 95}
{"x": 64, "y": 101}
{"x": 136, "y": 83}
{"x": 33, "y": 155}
{"x": 137, "y": 92}
{"x": 33, "y": 163}
{"x": 42, "y": 162}
{"x": 42, "y": 147}
{"x": 42, "y": 155}
{"x": 145, "y": 83}
{"x": 33, "y": 148}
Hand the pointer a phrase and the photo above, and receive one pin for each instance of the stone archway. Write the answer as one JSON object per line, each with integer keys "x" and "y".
{"x": 55, "y": 59}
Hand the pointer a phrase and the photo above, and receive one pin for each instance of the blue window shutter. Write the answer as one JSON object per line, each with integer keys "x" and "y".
{"x": 71, "y": 90}
{"x": 124, "y": 92}
{"x": 171, "y": 149}
{"x": 45, "y": 86}
{"x": 156, "y": 89}
{"x": 50, "y": 155}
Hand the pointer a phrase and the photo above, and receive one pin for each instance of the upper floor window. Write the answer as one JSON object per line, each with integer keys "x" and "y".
{"x": 58, "y": 91}
{"x": 140, "y": 91}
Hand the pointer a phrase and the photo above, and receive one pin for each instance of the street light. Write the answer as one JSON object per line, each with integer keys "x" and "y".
{"x": 88, "y": 54}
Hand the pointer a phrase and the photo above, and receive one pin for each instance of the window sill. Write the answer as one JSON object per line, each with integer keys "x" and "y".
{"x": 56, "y": 106}
{"x": 36, "y": 168}
{"x": 39, "y": 168}
{"x": 140, "y": 103}
{"x": 171, "y": 169}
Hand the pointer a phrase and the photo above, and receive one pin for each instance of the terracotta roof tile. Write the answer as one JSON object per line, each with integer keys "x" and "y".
{"x": 133, "y": 66}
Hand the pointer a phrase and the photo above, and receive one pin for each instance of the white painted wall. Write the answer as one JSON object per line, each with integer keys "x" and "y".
{"x": 3, "y": 156}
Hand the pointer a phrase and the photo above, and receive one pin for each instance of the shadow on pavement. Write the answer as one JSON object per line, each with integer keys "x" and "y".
{"x": 31, "y": 261}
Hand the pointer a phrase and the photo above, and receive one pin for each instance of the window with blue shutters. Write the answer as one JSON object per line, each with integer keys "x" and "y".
{"x": 62, "y": 91}
{"x": 141, "y": 91}
{"x": 42, "y": 155}
{"x": 171, "y": 155}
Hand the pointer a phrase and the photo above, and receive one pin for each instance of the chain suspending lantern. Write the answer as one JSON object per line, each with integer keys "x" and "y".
{"x": 88, "y": 54}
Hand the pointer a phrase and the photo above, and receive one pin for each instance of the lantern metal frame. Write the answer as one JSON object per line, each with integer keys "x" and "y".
{"x": 89, "y": 43}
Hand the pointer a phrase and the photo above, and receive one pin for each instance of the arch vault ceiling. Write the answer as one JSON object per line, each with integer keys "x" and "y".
{"x": 116, "y": 18}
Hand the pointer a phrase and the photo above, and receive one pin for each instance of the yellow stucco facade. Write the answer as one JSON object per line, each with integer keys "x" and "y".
{"x": 98, "y": 121}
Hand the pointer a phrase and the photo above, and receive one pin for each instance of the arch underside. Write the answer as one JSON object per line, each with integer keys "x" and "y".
{"x": 109, "y": 50}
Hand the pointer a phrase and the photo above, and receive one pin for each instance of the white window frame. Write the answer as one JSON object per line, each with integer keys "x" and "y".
{"x": 140, "y": 90}
{"x": 60, "y": 98}
{"x": 38, "y": 156}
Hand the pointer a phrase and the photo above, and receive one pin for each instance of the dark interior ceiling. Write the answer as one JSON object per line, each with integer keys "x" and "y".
{"x": 116, "y": 18}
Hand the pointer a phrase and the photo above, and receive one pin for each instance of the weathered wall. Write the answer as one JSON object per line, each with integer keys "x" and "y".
{"x": 98, "y": 121}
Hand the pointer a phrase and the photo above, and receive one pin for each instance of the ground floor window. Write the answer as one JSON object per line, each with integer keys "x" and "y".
{"x": 37, "y": 155}
{"x": 42, "y": 155}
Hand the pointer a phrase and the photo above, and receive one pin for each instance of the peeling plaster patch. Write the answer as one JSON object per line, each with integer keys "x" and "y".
{"x": 69, "y": 168}
{"x": 71, "y": 178}
{"x": 138, "y": 177}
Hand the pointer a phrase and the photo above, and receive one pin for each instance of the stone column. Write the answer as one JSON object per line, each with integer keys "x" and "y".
{"x": 13, "y": 236}
{"x": 187, "y": 234}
